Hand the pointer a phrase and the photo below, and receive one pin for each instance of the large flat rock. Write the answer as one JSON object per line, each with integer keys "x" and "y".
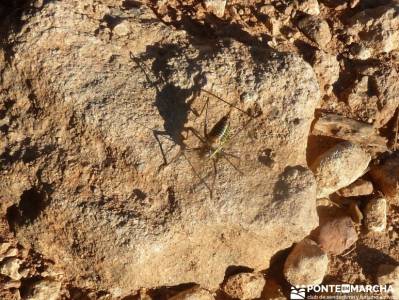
{"x": 91, "y": 196}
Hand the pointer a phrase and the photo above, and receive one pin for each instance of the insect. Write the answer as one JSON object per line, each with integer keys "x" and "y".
{"x": 212, "y": 143}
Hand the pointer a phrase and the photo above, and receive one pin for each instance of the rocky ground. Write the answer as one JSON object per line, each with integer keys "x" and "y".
{"x": 107, "y": 107}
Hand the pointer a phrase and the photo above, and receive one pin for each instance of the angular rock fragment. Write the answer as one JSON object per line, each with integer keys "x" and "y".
{"x": 375, "y": 30}
{"x": 195, "y": 293}
{"x": 336, "y": 235}
{"x": 376, "y": 214}
{"x": 316, "y": 29}
{"x": 360, "y": 187}
{"x": 10, "y": 267}
{"x": 338, "y": 167}
{"x": 306, "y": 264}
{"x": 245, "y": 285}
{"x": 216, "y": 7}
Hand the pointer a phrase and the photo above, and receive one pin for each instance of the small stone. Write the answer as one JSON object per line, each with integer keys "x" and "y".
{"x": 389, "y": 275}
{"x": 10, "y": 267}
{"x": 45, "y": 289}
{"x": 216, "y": 7}
{"x": 244, "y": 285}
{"x": 336, "y": 235}
{"x": 386, "y": 176}
{"x": 195, "y": 293}
{"x": 310, "y": 7}
{"x": 267, "y": 9}
{"x": 338, "y": 167}
{"x": 123, "y": 28}
{"x": 316, "y": 29}
{"x": 306, "y": 264}
{"x": 360, "y": 187}
{"x": 376, "y": 215}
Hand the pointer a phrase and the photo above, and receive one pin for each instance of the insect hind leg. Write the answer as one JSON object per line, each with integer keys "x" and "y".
{"x": 156, "y": 134}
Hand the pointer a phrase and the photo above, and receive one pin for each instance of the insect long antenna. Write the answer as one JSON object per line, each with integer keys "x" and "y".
{"x": 228, "y": 103}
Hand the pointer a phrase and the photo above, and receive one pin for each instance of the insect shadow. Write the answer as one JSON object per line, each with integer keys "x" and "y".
{"x": 174, "y": 108}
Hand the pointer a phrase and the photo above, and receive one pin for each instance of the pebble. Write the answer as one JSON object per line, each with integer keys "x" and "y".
{"x": 195, "y": 293}
{"x": 310, "y": 7}
{"x": 306, "y": 264}
{"x": 389, "y": 274}
{"x": 245, "y": 285}
{"x": 267, "y": 9}
{"x": 10, "y": 267}
{"x": 122, "y": 28}
{"x": 316, "y": 29}
{"x": 360, "y": 187}
{"x": 338, "y": 167}
{"x": 336, "y": 235}
{"x": 216, "y": 7}
{"x": 376, "y": 214}
{"x": 386, "y": 176}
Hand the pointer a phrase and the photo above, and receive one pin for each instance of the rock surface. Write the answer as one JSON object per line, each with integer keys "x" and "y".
{"x": 326, "y": 67}
{"x": 245, "y": 286}
{"x": 338, "y": 167}
{"x": 87, "y": 162}
{"x": 336, "y": 235}
{"x": 306, "y": 264}
{"x": 376, "y": 214}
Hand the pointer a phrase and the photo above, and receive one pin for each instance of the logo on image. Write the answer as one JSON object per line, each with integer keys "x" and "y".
{"x": 298, "y": 293}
